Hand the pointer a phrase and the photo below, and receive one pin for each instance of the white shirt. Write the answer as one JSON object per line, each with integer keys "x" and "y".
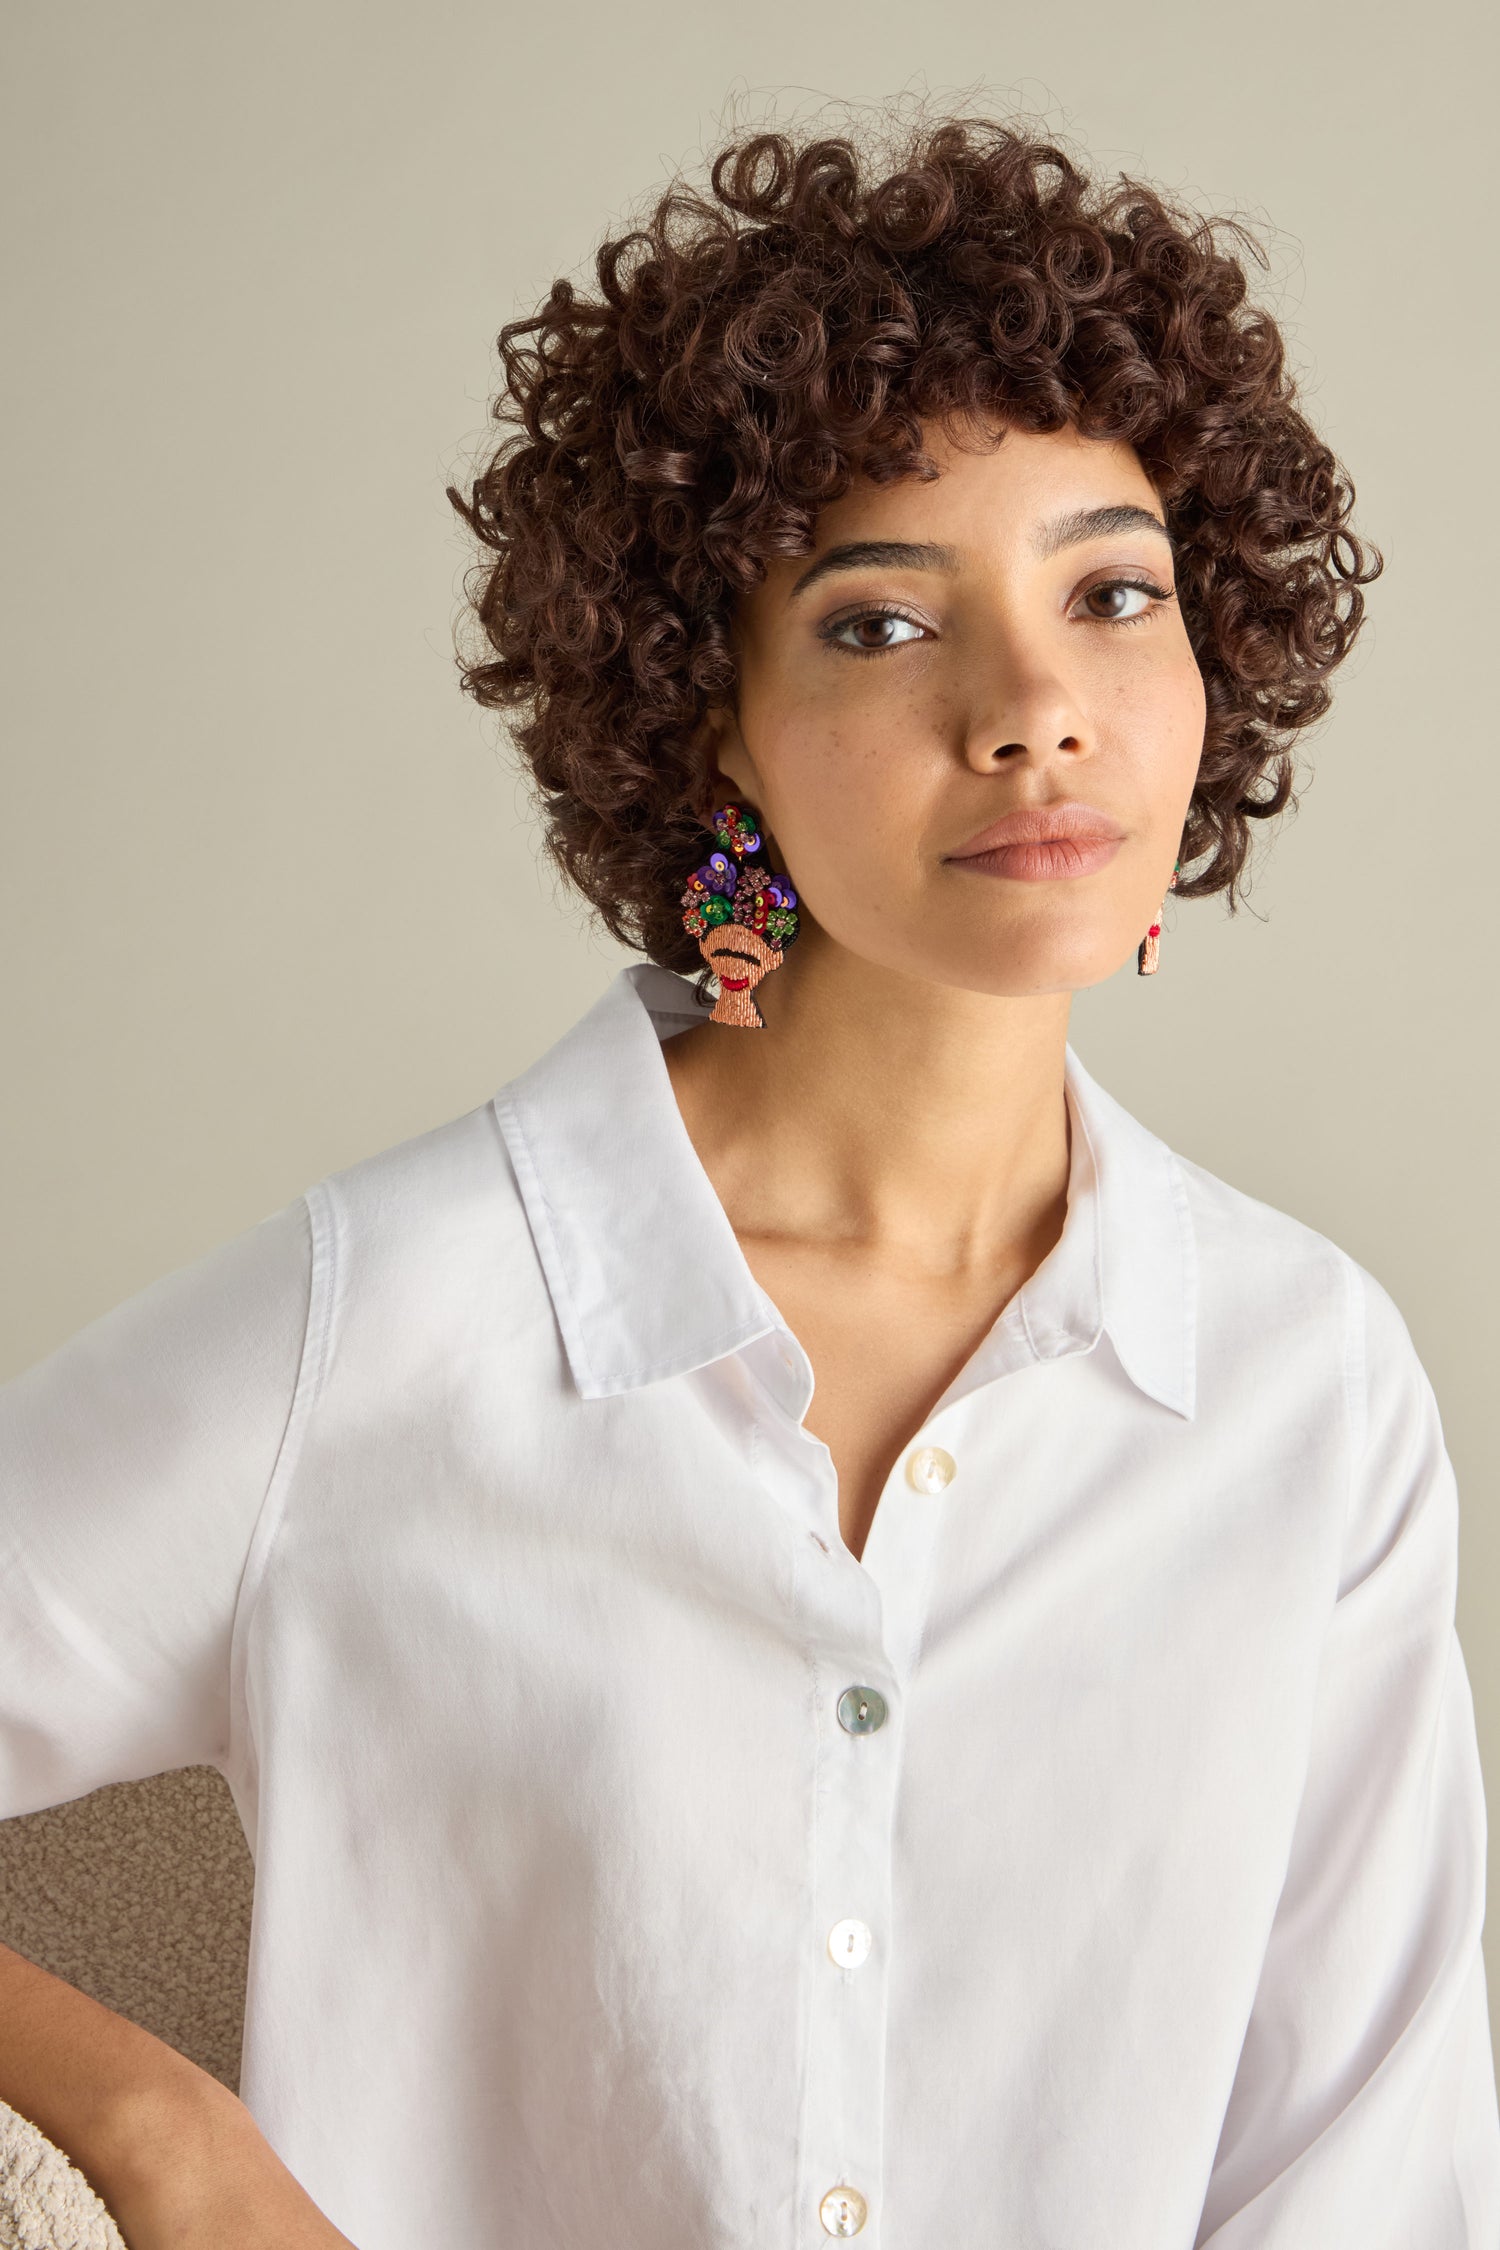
{"x": 463, "y": 1516}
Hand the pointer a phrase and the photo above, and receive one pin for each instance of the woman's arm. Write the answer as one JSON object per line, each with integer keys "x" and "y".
{"x": 135, "y": 1462}
{"x": 1364, "y": 2113}
{"x": 177, "y": 2160}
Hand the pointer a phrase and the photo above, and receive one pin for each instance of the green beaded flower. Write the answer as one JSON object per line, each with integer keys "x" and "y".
{"x": 719, "y": 891}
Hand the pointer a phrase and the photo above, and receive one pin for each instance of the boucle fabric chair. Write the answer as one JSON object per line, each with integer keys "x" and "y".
{"x": 140, "y": 1895}
{"x": 45, "y": 2204}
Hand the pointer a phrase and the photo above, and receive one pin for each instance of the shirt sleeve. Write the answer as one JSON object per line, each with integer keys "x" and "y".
{"x": 1364, "y": 2114}
{"x": 134, "y": 1462}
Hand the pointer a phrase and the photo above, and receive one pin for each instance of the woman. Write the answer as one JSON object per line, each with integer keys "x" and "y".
{"x": 814, "y": 1634}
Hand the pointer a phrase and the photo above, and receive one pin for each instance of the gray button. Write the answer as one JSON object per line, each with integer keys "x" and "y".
{"x": 861, "y": 1710}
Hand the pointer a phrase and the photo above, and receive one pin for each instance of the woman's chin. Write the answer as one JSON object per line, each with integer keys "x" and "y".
{"x": 1026, "y": 966}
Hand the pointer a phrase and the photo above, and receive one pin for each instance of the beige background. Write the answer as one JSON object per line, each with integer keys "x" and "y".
{"x": 270, "y": 896}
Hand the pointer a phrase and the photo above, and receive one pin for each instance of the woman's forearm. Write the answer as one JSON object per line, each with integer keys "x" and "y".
{"x": 169, "y": 2150}
{"x": 80, "y": 2073}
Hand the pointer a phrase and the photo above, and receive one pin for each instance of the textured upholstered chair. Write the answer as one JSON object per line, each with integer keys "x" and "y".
{"x": 140, "y": 1895}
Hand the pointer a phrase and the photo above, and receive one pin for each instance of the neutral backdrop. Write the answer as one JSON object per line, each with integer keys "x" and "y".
{"x": 271, "y": 897}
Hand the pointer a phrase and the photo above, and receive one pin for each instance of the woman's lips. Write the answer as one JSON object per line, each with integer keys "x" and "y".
{"x": 1043, "y": 862}
{"x": 1037, "y": 843}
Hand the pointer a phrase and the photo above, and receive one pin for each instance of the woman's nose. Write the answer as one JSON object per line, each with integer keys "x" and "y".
{"x": 1031, "y": 715}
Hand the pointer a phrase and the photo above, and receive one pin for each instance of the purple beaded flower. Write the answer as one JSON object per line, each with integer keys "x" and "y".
{"x": 753, "y": 897}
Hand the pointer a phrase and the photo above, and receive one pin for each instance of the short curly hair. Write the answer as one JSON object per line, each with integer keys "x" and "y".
{"x": 756, "y": 343}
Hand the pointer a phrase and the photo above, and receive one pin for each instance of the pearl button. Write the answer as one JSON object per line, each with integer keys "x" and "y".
{"x": 849, "y": 1944}
{"x": 843, "y": 2210}
{"x": 930, "y": 1469}
{"x": 861, "y": 1710}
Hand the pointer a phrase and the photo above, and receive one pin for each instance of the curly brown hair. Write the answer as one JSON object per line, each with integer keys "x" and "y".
{"x": 756, "y": 343}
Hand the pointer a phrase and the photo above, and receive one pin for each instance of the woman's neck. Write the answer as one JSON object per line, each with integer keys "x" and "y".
{"x": 911, "y": 1121}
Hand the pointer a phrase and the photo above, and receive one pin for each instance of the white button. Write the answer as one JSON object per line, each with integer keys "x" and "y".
{"x": 843, "y": 2210}
{"x": 930, "y": 1469}
{"x": 849, "y": 1944}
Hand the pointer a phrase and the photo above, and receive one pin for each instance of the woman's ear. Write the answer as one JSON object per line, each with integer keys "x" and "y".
{"x": 729, "y": 772}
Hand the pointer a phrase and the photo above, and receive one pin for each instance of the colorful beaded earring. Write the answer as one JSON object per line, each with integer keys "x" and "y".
{"x": 1148, "y": 953}
{"x": 743, "y": 917}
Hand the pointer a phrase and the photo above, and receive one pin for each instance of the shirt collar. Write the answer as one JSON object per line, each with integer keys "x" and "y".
{"x": 647, "y": 1276}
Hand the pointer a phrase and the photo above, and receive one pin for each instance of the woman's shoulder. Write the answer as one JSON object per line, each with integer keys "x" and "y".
{"x": 1271, "y": 1279}
{"x": 1250, "y": 1263}
{"x": 437, "y": 1200}
{"x": 459, "y": 1164}
{"x": 1241, "y": 1229}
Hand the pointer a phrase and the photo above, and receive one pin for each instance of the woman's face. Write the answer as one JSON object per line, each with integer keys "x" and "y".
{"x": 1001, "y": 640}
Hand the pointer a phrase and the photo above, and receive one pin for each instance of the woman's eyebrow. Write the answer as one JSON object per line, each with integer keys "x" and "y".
{"x": 859, "y": 554}
{"x": 1093, "y": 523}
{"x": 1050, "y": 539}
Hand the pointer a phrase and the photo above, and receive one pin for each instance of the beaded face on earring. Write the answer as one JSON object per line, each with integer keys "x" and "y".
{"x": 742, "y": 915}
{"x": 1148, "y": 952}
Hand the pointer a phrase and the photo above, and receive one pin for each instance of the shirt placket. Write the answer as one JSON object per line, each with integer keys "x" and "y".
{"x": 865, "y": 1622}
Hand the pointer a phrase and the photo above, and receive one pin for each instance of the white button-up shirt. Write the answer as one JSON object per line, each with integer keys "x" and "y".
{"x": 1096, "y": 1864}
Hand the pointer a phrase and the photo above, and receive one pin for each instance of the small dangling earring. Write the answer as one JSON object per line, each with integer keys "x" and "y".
{"x": 743, "y": 917}
{"x": 1148, "y": 952}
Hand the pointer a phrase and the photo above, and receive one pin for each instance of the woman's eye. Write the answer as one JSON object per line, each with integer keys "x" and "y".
{"x": 873, "y": 630}
{"x": 1122, "y": 599}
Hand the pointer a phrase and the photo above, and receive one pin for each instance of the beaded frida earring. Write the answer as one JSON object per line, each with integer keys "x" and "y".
{"x": 743, "y": 917}
{"x": 1148, "y": 953}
